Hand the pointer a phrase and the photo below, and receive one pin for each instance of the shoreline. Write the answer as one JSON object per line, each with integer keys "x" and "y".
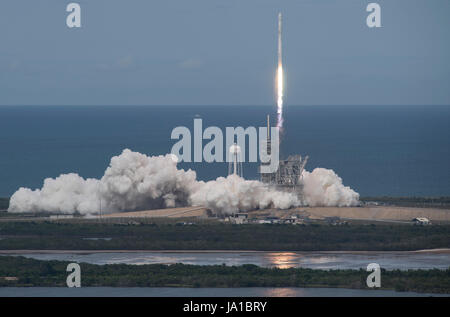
{"x": 161, "y": 291}
{"x": 6, "y": 252}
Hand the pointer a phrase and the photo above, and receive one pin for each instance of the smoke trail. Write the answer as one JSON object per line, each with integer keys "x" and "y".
{"x": 135, "y": 181}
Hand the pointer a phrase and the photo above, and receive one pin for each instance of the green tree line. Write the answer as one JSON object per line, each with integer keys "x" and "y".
{"x": 30, "y": 272}
{"x": 67, "y": 236}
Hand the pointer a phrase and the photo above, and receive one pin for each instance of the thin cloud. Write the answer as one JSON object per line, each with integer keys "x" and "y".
{"x": 191, "y": 63}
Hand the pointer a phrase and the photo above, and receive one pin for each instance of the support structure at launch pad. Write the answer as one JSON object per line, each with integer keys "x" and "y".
{"x": 288, "y": 175}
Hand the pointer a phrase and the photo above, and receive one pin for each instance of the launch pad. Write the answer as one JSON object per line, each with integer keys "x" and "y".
{"x": 289, "y": 173}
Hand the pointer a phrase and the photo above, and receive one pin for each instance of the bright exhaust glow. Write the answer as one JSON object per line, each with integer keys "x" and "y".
{"x": 280, "y": 96}
{"x": 279, "y": 80}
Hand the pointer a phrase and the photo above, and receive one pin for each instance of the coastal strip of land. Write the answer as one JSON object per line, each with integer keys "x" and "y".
{"x": 43, "y": 251}
{"x": 25, "y": 272}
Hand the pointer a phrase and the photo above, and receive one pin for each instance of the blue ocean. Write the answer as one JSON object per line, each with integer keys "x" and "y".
{"x": 376, "y": 150}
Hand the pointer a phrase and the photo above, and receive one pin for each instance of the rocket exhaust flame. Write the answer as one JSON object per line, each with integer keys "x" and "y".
{"x": 279, "y": 79}
{"x": 280, "y": 97}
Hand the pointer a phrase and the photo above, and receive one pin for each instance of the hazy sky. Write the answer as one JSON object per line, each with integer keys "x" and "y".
{"x": 221, "y": 52}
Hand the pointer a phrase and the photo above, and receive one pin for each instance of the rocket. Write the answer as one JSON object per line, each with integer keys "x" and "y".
{"x": 279, "y": 39}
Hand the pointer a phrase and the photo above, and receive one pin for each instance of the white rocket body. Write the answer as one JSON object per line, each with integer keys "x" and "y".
{"x": 279, "y": 39}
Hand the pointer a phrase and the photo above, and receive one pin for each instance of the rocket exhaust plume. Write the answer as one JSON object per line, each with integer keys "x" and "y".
{"x": 279, "y": 79}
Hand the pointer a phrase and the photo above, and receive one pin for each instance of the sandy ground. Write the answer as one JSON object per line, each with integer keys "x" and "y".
{"x": 168, "y": 212}
{"x": 373, "y": 213}
{"x": 380, "y": 213}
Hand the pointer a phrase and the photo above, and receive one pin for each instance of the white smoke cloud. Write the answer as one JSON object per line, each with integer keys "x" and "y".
{"x": 135, "y": 181}
{"x": 233, "y": 194}
{"x": 67, "y": 193}
{"x": 323, "y": 187}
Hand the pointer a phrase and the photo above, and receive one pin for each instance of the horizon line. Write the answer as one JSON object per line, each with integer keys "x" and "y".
{"x": 215, "y": 105}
